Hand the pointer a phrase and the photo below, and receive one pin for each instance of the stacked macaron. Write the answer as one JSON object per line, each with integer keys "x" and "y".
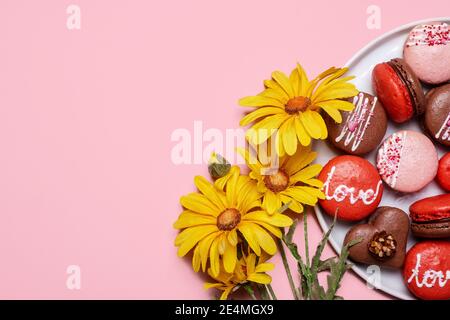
{"x": 406, "y": 162}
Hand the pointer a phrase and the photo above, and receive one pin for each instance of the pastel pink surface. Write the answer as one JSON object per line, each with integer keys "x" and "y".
{"x": 429, "y": 62}
{"x": 86, "y": 118}
{"x": 414, "y": 160}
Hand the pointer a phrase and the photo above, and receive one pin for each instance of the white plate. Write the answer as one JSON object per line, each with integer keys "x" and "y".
{"x": 384, "y": 48}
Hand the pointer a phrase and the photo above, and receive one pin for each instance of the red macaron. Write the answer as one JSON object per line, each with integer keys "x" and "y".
{"x": 352, "y": 186}
{"x": 398, "y": 90}
{"x": 443, "y": 174}
{"x": 426, "y": 270}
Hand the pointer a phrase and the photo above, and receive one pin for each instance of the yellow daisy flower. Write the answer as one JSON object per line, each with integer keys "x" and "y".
{"x": 290, "y": 107}
{"x": 213, "y": 218}
{"x": 292, "y": 180}
{"x": 248, "y": 269}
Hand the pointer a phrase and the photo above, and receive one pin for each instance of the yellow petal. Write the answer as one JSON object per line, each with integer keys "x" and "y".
{"x": 289, "y": 137}
{"x": 307, "y": 173}
{"x": 260, "y": 101}
{"x": 189, "y": 219}
{"x": 314, "y": 183}
{"x": 229, "y": 258}
{"x": 271, "y": 202}
{"x": 331, "y": 82}
{"x": 277, "y": 219}
{"x": 248, "y": 196}
{"x": 259, "y": 113}
{"x": 339, "y": 104}
{"x": 310, "y": 124}
{"x": 339, "y": 90}
{"x": 265, "y": 128}
{"x": 300, "y": 195}
{"x": 260, "y": 278}
{"x": 272, "y": 84}
{"x": 264, "y": 267}
{"x": 204, "y": 247}
{"x": 215, "y": 196}
{"x": 302, "y": 135}
{"x": 196, "y": 259}
{"x": 221, "y": 182}
{"x": 273, "y": 230}
{"x": 210, "y": 285}
{"x": 293, "y": 204}
{"x": 250, "y": 263}
{"x": 222, "y": 244}
{"x": 304, "y": 82}
{"x": 251, "y": 159}
{"x": 294, "y": 79}
{"x": 189, "y": 237}
{"x": 299, "y": 161}
{"x": 314, "y": 192}
{"x": 323, "y": 127}
{"x": 199, "y": 203}
{"x": 275, "y": 93}
{"x": 214, "y": 257}
{"x": 265, "y": 241}
{"x": 246, "y": 230}
{"x": 332, "y": 112}
{"x": 231, "y": 189}
{"x": 283, "y": 81}
{"x": 233, "y": 237}
{"x": 279, "y": 148}
{"x": 226, "y": 293}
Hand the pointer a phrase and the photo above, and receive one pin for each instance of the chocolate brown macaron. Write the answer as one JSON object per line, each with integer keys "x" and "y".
{"x": 383, "y": 238}
{"x": 437, "y": 114}
{"x": 430, "y": 217}
{"x": 362, "y": 129}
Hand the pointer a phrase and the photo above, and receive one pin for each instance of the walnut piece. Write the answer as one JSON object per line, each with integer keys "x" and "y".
{"x": 382, "y": 246}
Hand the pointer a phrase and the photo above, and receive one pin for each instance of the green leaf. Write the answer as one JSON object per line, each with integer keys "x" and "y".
{"x": 325, "y": 265}
{"x": 338, "y": 269}
{"x": 291, "y": 231}
{"x": 320, "y": 248}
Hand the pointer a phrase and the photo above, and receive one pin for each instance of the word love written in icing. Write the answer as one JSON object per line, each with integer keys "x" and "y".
{"x": 444, "y": 132}
{"x": 430, "y": 277}
{"x": 357, "y": 122}
{"x": 343, "y": 192}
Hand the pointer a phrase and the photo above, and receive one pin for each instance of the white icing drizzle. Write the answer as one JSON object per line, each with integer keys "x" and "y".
{"x": 429, "y": 35}
{"x": 357, "y": 122}
{"x": 342, "y": 191}
{"x": 430, "y": 277}
{"x": 444, "y": 132}
{"x": 389, "y": 155}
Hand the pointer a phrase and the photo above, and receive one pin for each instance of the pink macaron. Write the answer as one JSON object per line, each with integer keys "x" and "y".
{"x": 427, "y": 52}
{"x": 407, "y": 161}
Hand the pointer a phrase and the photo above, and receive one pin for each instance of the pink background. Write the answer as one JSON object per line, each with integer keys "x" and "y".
{"x": 86, "y": 116}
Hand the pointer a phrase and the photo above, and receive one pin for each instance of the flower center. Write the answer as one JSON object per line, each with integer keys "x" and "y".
{"x": 228, "y": 219}
{"x": 277, "y": 182}
{"x": 297, "y": 104}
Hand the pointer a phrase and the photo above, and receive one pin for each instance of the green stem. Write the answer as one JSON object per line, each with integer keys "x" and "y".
{"x": 288, "y": 270}
{"x": 250, "y": 291}
{"x": 263, "y": 293}
{"x": 305, "y": 230}
{"x": 272, "y": 293}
